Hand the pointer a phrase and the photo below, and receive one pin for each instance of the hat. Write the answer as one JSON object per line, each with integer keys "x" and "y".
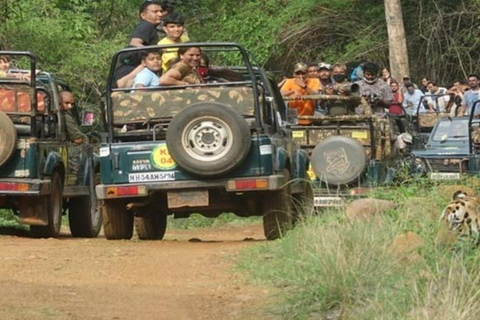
{"x": 407, "y": 137}
{"x": 323, "y": 65}
{"x": 300, "y": 66}
{"x": 406, "y": 77}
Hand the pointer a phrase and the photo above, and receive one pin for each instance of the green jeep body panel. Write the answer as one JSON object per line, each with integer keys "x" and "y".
{"x": 42, "y": 152}
{"x": 138, "y": 167}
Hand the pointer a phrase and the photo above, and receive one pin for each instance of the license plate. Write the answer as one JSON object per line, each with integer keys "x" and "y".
{"x": 445, "y": 175}
{"x": 328, "y": 202}
{"x": 187, "y": 199}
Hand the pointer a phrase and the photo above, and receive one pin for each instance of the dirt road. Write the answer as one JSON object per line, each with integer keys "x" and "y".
{"x": 176, "y": 278}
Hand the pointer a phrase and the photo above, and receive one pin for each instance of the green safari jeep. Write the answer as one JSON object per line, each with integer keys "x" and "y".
{"x": 219, "y": 146}
{"x": 42, "y": 174}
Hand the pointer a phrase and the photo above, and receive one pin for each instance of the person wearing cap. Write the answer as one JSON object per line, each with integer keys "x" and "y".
{"x": 144, "y": 34}
{"x": 376, "y": 90}
{"x": 299, "y": 86}
{"x": 406, "y": 79}
{"x": 325, "y": 74}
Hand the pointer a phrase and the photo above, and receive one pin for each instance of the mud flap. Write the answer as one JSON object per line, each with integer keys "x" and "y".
{"x": 32, "y": 210}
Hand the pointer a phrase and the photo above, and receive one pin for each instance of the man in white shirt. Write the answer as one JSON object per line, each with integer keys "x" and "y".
{"x": 437, "y": 97}
{"x": 471, "y": 96}
{"x": 411, "y": 102}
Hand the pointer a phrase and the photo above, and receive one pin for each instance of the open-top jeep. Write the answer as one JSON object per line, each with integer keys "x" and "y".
{"x": 423, "y": 122}
{"x": 452, "y": 150}
{"x": 350, "y": 153}
{"x": 41, "y": 173}
{"x": 219, "y": 146}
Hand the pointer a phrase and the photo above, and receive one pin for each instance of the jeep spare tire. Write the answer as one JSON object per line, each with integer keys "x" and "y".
{"x": 208, "y": 139}
{"x": 338, "y": 160}
{"x": 8, "y": 138}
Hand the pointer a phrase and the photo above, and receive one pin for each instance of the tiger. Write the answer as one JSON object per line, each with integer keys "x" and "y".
{"x": 462, "y": 216}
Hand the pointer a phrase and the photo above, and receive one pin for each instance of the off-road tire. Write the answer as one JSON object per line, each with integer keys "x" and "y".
{"x": 151, "y": 226}
{"x": 54, "y": 207}
{"x": 208, "y": 139}
{"x": 84, "y": 214}
{"x": 8, "y": 138}
{"x": 84, "y": 217}
{"x": 117, "y": 220}
{"x": 277, "y": 211}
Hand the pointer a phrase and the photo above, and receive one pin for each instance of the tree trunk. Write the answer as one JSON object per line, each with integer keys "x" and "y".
{"x": 396, "y": 39}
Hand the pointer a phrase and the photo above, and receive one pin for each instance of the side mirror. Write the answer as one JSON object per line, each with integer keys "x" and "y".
{"x": 87, "y": 118}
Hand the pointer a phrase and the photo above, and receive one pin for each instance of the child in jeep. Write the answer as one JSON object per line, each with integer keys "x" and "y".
{"x": 173, "y": 25}
{"x": 149, "y": 76}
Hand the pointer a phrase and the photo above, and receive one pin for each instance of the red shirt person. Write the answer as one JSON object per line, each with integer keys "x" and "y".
{"x": 299, "y": 86}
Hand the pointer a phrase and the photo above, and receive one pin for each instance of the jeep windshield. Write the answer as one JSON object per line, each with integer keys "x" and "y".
{"x": 454, "y": 129}
{"x": 230, "y": 79}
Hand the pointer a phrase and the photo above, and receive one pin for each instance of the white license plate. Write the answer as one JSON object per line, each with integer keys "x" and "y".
{"x": 328, "y": 201}
{"x": 187, "y": 199}
{"x": 445, "y": 175}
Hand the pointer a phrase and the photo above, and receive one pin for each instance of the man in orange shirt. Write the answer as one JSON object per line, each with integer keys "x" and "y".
{"x": 299, "y": 86}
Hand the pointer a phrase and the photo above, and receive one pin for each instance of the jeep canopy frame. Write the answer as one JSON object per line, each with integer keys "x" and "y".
{"x": 249, "y": 80}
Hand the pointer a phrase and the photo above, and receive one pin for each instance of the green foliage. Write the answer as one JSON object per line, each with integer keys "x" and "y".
{"x": 77, "y": 38}
{"x": 196, "y": 221}
{"x": 329, "y": 266}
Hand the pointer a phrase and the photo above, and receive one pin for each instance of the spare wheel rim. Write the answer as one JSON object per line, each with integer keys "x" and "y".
{"x": 207, "y": 138}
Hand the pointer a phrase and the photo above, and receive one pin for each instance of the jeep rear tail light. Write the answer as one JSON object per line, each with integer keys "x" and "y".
{"x": 14, "y": 186}
{"x": 247, "y": 184}
{"x": 126, "y": 191}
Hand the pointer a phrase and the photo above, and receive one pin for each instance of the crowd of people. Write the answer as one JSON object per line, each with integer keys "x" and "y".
{"x": 159, "y": 25}
{"x": 385, "y": 94}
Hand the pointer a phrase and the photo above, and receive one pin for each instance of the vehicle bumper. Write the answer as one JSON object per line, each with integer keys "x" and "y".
{"x": 23, "y": 187}
{"x": 128, "y": 190}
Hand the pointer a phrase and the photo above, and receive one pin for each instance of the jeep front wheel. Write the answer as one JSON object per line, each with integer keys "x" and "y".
{"x": 208, "y": 139}
{"x": 117, "y": 220}
{"x": 277, "y": 211}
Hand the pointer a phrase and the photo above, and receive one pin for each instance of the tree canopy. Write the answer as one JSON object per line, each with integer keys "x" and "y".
{"x": 77, "y": 38}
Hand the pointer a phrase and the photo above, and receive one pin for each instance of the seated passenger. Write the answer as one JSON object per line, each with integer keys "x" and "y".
{"x": 184, "y": 71}
{"x": 173, "y": 27}
{"x": 149, "y": 76}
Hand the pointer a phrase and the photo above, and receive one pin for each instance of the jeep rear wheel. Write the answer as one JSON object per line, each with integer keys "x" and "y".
{"x": 54, "y": 207}
{"x": 117, "y": 220}
{"x": 208, "y": 139}
{"x": 8, "y": 138}
{"x": 151, "y": 226}
{"x": 277, "y": 211}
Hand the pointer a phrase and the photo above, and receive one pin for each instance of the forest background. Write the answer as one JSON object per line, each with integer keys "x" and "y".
{"x": 77, "y": 38}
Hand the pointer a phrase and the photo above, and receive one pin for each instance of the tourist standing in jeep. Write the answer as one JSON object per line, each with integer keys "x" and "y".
{"x": 144, "y": 34}
{"x": 299, "y": 86}
{"x": 376, "y": 91}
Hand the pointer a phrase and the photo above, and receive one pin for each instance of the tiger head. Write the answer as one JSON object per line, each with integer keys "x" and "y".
{"x": 461, "y": 214}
